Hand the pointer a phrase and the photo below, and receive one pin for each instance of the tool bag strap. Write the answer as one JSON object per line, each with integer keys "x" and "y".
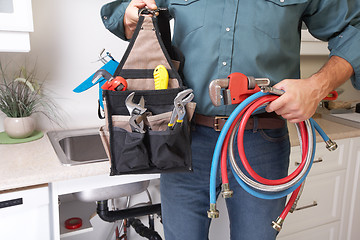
{"x": 149, "y": 47}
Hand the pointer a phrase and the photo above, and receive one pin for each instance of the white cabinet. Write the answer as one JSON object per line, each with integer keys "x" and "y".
{"x": 311, "y": 45}
{"x": 351, "y": 209}
{"x": 328, "y": 231}
{"x": 320, "y": 203}
{"x": 25, "y": 214}
{"x": 328, "y": 208}
{"x": 15, "y": 24}
{"x": 63, "y": 188}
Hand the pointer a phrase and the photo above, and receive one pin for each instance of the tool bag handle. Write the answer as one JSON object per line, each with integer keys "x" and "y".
{"x": 161, "y": 27}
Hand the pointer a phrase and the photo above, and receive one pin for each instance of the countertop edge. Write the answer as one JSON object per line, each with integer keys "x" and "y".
{"x": 18, "y": 169}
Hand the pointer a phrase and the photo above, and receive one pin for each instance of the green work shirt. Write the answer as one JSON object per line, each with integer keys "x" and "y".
{"x": 259, "y": 38}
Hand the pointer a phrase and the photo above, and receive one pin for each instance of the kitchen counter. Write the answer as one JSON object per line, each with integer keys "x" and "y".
{"x": 36, "y": 163}
{"x": 334, "y": 130}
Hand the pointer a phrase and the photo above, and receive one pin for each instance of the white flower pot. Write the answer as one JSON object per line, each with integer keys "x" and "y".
{"x": 19, "y": 127}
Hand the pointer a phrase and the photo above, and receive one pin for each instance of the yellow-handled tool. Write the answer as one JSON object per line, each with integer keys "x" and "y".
{"x": 161, "y": 77}
{"x": 180, "y": 101}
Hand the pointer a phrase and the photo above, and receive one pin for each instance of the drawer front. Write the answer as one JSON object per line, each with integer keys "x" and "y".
{"x": 25, "y": 213}
{"x": 324, "y": 161}
{"x": 325, "y": 232}
{"x": 319, "y": 204}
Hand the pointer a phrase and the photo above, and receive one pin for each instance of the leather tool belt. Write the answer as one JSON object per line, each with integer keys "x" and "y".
{"x": 264, "y": 121}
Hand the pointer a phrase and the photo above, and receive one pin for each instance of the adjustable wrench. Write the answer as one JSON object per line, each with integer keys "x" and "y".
{"x": 137, "y": 113}
{"x": 236, "y": 88}
{"x": 181, "y": 99}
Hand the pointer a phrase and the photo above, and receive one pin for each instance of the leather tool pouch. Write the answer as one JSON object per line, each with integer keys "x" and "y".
{"x": 158, "y": 149}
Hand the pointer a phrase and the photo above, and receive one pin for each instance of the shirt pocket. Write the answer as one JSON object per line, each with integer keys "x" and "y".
{"x": 189, "y": 15}
{"x": 278, "y": 18}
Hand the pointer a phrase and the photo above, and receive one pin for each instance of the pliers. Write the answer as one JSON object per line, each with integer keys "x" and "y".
{"x": 181, "y": 99}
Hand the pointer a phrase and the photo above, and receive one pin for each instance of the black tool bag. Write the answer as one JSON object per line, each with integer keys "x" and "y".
{"x": 159, "y": 148}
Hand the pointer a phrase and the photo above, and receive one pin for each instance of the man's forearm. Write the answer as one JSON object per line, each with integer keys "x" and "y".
{"x": 302, "y": 96}
{"x": 335, "y": 72}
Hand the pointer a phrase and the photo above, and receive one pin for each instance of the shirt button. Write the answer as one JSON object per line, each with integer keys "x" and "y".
{"x": 227, "y": 29}
{"x": 224, "y": 63}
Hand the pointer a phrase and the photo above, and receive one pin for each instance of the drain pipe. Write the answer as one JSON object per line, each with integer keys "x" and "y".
{"x": 144, "y": 231}
{"x": 112, "y": 216}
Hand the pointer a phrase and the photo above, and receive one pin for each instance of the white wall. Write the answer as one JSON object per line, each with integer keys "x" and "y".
{"x": 67, "y": 39}
{"x": 311, "y": 64}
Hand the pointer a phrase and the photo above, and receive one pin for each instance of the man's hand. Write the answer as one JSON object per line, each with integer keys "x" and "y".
{"x": 300, "y": 100}
{"x": 131, "y": 16}
{"x": 302, "y": 96}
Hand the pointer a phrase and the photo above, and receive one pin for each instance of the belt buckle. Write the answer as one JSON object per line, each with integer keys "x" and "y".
{"x": 216, "y": 122}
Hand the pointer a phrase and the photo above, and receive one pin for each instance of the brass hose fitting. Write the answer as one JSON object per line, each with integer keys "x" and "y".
{"x": 330, "y": 145}
{"x": 213, "y": 212}
{"x": 226, "y": 192}
{"x": 277, "y": 225}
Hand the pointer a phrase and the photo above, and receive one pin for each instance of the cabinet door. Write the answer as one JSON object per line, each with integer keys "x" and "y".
{"x": 25, "y": 214}
{"x": 324, "y": 160}
{"x": 325, "y": 232}
{"x": 351, "y": 209}
{"x": 15, "y": 24}
{"x": 319, "y": 204}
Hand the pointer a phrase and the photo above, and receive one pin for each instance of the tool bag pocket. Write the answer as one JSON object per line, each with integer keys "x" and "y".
{"x": 130, "y": 152}
{"x": 167, "y": 148}
{"x": 159, "y": 149}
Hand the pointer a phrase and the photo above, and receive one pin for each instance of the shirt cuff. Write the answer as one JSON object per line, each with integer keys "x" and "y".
{"x": 346, "y": 45}
{"x": 112, "y": 15}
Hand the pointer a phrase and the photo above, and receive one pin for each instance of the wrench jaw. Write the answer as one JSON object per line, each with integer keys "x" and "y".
{"x": 135, "y": 127}
{"x": 134, "y": 108}
{"x": 137, "y": 113}
{"x": 235, "y": 89}
{"x": 215, "y": 89}
{"x": 137, "y": 123}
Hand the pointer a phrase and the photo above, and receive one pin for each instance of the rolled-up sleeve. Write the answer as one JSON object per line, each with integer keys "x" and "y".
{"x": 338, "y": 22}
{"x": 347, "y": 46}
{"x": 112, "y": 15}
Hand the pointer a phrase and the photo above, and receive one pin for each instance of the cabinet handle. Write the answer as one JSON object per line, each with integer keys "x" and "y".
{"x": 314, "y": 204}
{"x": 319, "y": 160}
{"x": 10, "y": 203}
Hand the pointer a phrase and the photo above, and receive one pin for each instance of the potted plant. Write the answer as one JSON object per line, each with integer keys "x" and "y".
{"x": 20, "y": 98}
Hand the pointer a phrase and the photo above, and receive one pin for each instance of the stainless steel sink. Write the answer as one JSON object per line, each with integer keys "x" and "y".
{"x": 78, "y": 146}
{"x": 83, "y": 146}
{"x": 117, "y": 191}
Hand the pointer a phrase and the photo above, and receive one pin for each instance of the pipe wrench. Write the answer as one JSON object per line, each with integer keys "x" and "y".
{"x": 180, "y": 101}
{"x": 137, "y": 113}
{"x": 235, "y": 88}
